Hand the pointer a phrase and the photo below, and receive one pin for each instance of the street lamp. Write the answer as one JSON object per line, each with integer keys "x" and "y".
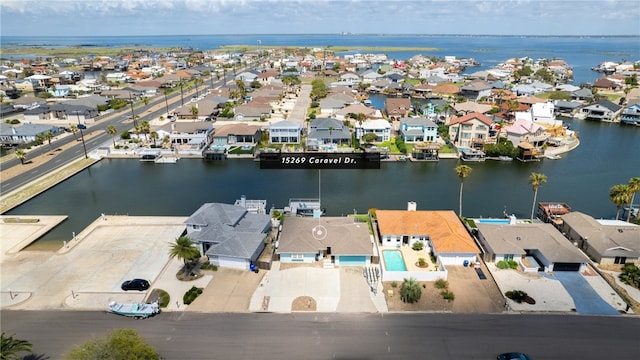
{"x": 133, "y": 115}
{"x": 82, "y": 127}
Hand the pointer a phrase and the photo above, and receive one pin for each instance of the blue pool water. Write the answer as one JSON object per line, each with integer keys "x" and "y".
{"x": 493, "y": 221}
{"x": 393, "y": 260}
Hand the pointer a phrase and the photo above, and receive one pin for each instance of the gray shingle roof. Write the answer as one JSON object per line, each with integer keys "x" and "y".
{"x": 233, "y": 230}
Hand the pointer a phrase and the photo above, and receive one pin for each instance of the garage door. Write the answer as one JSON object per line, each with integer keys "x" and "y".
{"x": 352, "y": 260}
{"x": 566, "y": 266}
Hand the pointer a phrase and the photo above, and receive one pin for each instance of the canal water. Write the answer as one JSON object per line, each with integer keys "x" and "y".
{"x": 607, "y": 156}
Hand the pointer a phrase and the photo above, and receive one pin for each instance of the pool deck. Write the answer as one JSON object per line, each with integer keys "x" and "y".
{"x": 411, "y": 257}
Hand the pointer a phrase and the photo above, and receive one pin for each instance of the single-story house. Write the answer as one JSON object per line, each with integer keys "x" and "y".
{"x": 342, "y": 240}
{"x": 229, "y": 235}
{"x": 11, "y": 135}
{"x": 607, "y": 242}
{"x": 536, "y": 247}
{"x": 237, "y": 134}
{"x": 440, "y": 231}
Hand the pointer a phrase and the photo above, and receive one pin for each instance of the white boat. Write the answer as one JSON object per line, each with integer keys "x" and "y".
{"x": 134, "y": 310}
{"x": 505, "y": 158}
{"x": 553, "y": 156}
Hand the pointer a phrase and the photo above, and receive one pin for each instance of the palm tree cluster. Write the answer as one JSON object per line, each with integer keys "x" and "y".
{"x": 624, "y": 194}
{"x": 410, "y": 292}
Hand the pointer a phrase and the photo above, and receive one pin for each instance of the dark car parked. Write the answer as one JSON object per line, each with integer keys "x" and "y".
{"x": 135, "y": 284}
{"x": 514, "y": 356}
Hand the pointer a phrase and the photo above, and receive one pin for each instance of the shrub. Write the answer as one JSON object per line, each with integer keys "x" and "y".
{"x": 208, "y": 266}
{"x": 191, "y": 295}
{"x": 422, "y": 262}
{"x": 630, "y": 275}
{"x": 512, "y": 264}
{"x": 516, "y": 295}
{"x": 394, "y": 284}
{"x": 448, "y": 295}
{"x": 441, "y": 284}
{"x": 418, "y": 245}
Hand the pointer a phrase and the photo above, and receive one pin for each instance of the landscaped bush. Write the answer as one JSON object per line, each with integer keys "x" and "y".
{"x": 511, "y": 264}
{"x": 448, "y": 295}
{"x": 441, "y": 284}
{"x": 516, "y": 295}
{"x": 422, "y": 262}
{"x": 191, "y": 295}
{"x": 418, "y": 245}
{"x": 208, "y": 266}
{"x": 630, "y": 275}
{"x": 394, "y": 284}
{"x": 163, "y": 298}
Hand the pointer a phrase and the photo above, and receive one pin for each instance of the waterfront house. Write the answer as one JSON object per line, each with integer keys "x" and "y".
{"x": 603, "y": 110}
{"x": 535, "y": 247}
{"x": 607, "y": 242}
{"x": 327, "y": 131}
{"x": 380, "y": 127}
{"x": 525, "y": 130}
{"x": 206, "y": 109}
{"x": 441, "y": 233}
{"x": 566, "y": 108}
{"x": 285, "y": 132}
{"x": 187, "y": 135}
{"x": 470, "y": 131}
{"x": 605, "y": 83}
{"x": 397, "y": 108}
{"x": 237, "y": 134}
{"x": 335, "y": 240}
{"x": 631, "y": 115}
{"x": 229, "y": 235}
{"x": 418, "y": 129}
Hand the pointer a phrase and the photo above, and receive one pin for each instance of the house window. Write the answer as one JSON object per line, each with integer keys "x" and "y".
{"x": 297, "y": 257}
{"x": 196, "y": 227}
{"x": 508, "y": 257}
{"x": 620, "y": 260}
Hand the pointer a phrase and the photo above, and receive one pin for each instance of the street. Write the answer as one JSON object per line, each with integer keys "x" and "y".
{"x": 190, "y": 335}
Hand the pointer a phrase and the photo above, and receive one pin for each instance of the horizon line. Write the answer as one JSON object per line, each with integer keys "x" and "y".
{"x": 345, "y": 34}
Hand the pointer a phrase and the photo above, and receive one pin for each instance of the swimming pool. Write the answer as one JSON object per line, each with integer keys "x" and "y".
{"x": 393, "y": 260}
{"x": 493, "y": 221}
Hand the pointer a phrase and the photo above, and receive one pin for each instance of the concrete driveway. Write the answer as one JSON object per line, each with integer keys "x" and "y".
{"x": 334, "y": 290}
{"x": 586, "y": 299}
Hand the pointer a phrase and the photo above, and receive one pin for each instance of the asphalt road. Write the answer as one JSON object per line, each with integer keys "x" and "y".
{"x": 191, "y": 335}
{"x": 94, "y": 141}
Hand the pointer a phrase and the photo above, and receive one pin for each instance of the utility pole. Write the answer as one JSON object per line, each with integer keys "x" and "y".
{"x": 81, "y": 127}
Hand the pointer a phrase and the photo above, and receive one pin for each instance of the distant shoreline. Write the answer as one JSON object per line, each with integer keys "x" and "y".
{"x": 80, "y": 50}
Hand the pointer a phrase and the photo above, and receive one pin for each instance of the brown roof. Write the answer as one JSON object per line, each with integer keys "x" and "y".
{"x": 343, "y": 235}
{"x": 472, "y": 116}
{"x": 446, "y": 89}
{"x": 237, "y": 129}
{"x": 395, "y": 104}
{"x": 446, "y": 232}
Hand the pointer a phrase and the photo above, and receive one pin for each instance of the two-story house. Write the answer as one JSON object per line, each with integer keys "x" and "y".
{"x": 380, "y": 127}
{"x": 327, "y": 131}
{"x": 418, "y": 129}
{"x": 470, "y": 131}
{"x": 603, "y": 110}
{"x": 631, "y": 115}
{"x": 397, "y": 108}
{"x": 285, "y": 132}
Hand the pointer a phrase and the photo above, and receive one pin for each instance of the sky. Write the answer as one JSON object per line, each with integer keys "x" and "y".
{"x": 211, "y": 17}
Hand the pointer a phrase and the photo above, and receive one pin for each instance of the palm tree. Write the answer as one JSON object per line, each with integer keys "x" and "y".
{"x": 197, "y": 82}
{"x": 154, "y": 136}
{"x": 331, "y": 128}
{"x": 49, "y": 135}
{"x": 184, "y": 249}
{"x": 181, "y": 84}
{"x": 145, "y": 128}
{"x": 194, "y": 111}
{"x": 634, "y": 187}
{"x": 74, "y": 130}
{"x": 619, "y": 195}
{"x": 410, "y": 292}
{"x": 536, "y": 179}
{"x": 112, "y": 131}
{"x": 166, "y": 140}
{"x": 463, "y": 171}
{"x": 21, "y": 154}
{"x": 10, "y": 347}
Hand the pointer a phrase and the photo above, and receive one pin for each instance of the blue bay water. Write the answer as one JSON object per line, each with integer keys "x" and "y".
{"x": 582, "y": 53}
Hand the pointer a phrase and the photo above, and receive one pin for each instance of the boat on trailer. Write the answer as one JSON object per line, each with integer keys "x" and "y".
{"x": 134, "y": 310}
